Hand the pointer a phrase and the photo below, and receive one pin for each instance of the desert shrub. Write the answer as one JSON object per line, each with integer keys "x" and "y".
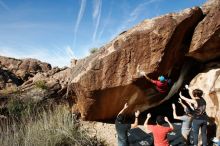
{"x": 15, "y": 108}
{"x": 50, "y": 128}
{"x": 93, "y": 50}
{"x": 18, "y": 108}
{"x": 40, "y": 84}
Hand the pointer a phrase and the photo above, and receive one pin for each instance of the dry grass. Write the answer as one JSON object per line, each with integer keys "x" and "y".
{"x": 46, "y": 128}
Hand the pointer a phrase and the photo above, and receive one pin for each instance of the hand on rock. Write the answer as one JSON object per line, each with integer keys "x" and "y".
{"x": 142, "y": 73}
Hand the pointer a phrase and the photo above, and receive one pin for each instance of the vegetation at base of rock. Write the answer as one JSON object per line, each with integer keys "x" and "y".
{"x": 41, "y": 84}
{"x": 18, "y": 108}
{"x": 10, "y": 90}
{"x": 93, "y": 50}
{"x": 50, "y": 127}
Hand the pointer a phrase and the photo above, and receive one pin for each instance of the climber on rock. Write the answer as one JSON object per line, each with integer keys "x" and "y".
{"x": 162, "y": 84}
{"x": 122, "y": 127}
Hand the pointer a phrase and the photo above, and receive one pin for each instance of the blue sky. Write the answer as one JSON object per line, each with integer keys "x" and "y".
{"x": 55, "y": 31}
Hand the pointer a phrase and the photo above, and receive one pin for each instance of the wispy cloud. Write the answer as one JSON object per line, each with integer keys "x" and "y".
{"x": 79, "y": 18}
{"x": 105, "y": 24}
{"x": 97, "y": 10}
{"x": 70, "y": 52}
{"x": 138, "y": 10}
{"x": 133, "y": 16}
{"x": 4, "y": 5}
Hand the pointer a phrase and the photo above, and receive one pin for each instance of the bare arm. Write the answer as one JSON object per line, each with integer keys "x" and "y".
{"x": 184, "y": 106}
{"x": 147, "y": 78}
{"x": 135, "y": 124}
{"x": 146, "y": 121}
{"x": 125, "y": 107}
{"x": 142, "y": 73}
{"x": 190, "y": 91}
{"x": 174, "y": 112}
{"x": 187, "y": 100}
{"x": 167, "y": 120}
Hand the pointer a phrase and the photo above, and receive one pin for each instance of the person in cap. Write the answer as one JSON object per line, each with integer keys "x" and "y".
{"x": 186, "y": 120}
{"x": 122, "y": 127}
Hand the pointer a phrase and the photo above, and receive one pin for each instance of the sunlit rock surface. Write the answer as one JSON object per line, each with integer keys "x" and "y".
{"x": 205, "y": 43}
{"x": 104, "y": 81}
{"x": 209, "y": 83}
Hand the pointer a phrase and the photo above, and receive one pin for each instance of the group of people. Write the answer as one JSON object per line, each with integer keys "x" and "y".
{"x": 193, "y": 119}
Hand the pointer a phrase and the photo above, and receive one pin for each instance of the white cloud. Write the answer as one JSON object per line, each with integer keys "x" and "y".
{"x": 4, "y": 5}
{"x": 105, "y": 24}
{"x": 79, "y": 18}
{"x": 96, "y": 16}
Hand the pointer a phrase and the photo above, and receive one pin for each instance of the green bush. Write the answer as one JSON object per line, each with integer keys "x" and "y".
{"x": 15, "y": 108}
{"x": 41, "y": 84}
{"x": 18, "y": 108}
{"x": 93, "y": 50}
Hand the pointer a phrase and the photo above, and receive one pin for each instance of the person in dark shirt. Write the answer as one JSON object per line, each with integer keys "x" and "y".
{"x": 122, "y": 128}
{"x": 199, "y": 114}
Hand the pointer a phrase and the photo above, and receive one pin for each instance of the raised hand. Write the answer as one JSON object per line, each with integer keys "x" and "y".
{"x": 148, "y": 115}
{"x": 180, "y": 94}
{"x": 166, "y": 119}
{"x": 173, "y": 106}
{"x": 180, "y": 100}
{"x": 126, "y": 105}
{"x": 137, "y": 113}
{"x": 187, "y": 86}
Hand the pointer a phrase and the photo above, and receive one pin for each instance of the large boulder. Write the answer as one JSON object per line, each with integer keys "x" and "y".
{"x": 103, "y": 82}
{"x": 24, "y": 68}
{"x": 14, "y": 72}
{"x": 209, "y": 83}
{"x": 50, "y": 84}
{"x": 205, "y": 44}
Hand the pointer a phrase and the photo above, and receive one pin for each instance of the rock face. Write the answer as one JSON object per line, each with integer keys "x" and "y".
{"x": 30, "y": 78}
{"x": 209, "y": 83}
{"x": 205, "y": 42}
{"x": 13, "y": 72}
{"x": 103, "y": 82}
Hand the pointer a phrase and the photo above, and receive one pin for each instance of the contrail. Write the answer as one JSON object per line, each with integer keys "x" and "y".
{"x": 4, "y": 5}
{"x": 79, "y": 18}
{"x": 97, "y": 16}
